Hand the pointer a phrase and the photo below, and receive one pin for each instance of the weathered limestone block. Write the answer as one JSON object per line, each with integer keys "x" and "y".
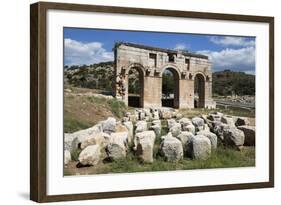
{"x": 234, "y": 137}
{"x": 206, "y": 127}
{"x": 67, "y": 157}
{"x": 250, "y": 134}
{"x": 210, "y": 124}
{"x": 185, "y": 121}
{"x": 118, "y": 145}
{"x": 166, "y": 113}
{"x": 144, "y": 143}
{"x": 187, "y": 125}
{"x": 109, "y": 125}
{"x": 148, "y": 114}
{"x": 70, "y": 138}
{"x": 155, "y": 114}
{"x": 90, "y": 155}
{"x": 96, "y": 128}
{"x": 200, "y": 147}
{"x": 198, "y": 123}
{"x": 156, "y": 128}
{"x": 171, "y": 123}
{"x": 121, "y": 128}
{"x": 133, "y": 118}
{"x": 115, "y": 151}
{"x": 219, "y": 129}
{"x": 129, "y": 125}
{"x": 156, "y": 122}
{"x": 211, "y": 136}
{"x": 204, "y": 117}
{"x": 82, "y": 141}
{"x": 99, "y": 138}
{"x": 174, "y": 114}
{"x": 128, "y": 114}
{"x": 189, "y": 128}
{"x": 141, "y": 115}
{"x": 215, "y": 116}
{"x": 145, "y": 134}
{"x": 185, "y": 138}
{"x": 141, "y": 126}
{"x": 120, "y": 138}
{"x": 179, "y": 116}
{"x": 240, "y": 121}
{"x": 147, "y": 111}
{"x": 125, "y": 119}
{"x": 147, "y": 118}
{"x": 175, "y": 130}
{"x": 226, "y": 119}
{"x": 171, "y": 148}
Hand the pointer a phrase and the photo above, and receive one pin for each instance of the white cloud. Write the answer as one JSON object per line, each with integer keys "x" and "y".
{"x": 79, "y": 53}
{"x": 181, "y": 46}
{"x": 242, "y": 59}
{"x": 251, "y": 72}
{"x": 232, "y": 41}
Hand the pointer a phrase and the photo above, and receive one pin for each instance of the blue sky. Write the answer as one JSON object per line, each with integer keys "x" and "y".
{"x": 88, "y": 46}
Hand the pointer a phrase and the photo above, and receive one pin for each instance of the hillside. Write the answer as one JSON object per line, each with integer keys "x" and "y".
{"x": 100, "y": 76}
{"x": 84, "y": 108}
{"x": 95, "y": 76}
{"x": 228, "y": 82}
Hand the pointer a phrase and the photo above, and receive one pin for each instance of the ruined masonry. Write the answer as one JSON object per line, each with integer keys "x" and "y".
{"x": 151, "y": 62}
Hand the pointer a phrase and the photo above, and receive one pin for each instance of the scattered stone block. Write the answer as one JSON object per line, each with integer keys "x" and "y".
{"x": 211, "y": 136}
{"x": 90, "y": 155}
{"x": 200, "y": 147}
{"x": 67, "y": 157}
{"x": 144, "y": 144}
{"x": 171, "y": 148}
{"x": 175, "y": 130}
{"x": 250, "y": 134}
{"x": 234, "y": 137}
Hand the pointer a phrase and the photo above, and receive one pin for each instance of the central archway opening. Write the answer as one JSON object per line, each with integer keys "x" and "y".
{"x": 199, "y": 91}
{"x": 170, "y": 88}
{"x": 135, "y": 87}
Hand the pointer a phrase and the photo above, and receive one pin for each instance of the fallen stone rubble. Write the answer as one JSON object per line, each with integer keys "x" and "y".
{"x": 138, "y": 131}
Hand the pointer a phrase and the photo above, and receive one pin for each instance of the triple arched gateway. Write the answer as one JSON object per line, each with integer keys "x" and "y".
{"x": 192, "y": 75}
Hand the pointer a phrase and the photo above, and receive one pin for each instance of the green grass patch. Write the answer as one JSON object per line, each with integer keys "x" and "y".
{"x": 67, "y": 172}
{"x": 117, "y": 107}
{"x": 229, "y": 111}
{"x": 72, "y": 125}
{"x": 85, "y": 111}
{"x": 220, "y": 158}
{"x": 75, "y": 154}
{"x": 96, "y": 100}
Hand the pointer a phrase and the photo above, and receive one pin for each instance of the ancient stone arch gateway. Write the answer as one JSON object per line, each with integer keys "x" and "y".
{"x": 151, "y": 62}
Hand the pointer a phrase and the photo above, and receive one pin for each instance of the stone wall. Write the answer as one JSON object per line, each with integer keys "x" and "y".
{"x": 151, "y": 63}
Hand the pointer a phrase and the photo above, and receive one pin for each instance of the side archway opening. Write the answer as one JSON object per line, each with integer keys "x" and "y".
{"x": 135, "y": 87}
{"x": 199, "y": 91}
{"x": 170, "y": 88}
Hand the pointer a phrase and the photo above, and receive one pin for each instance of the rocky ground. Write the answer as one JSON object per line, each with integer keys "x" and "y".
{"x": 160, "y": 139}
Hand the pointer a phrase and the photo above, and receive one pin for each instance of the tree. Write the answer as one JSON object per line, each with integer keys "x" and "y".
{"x": 167, "y": 83}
